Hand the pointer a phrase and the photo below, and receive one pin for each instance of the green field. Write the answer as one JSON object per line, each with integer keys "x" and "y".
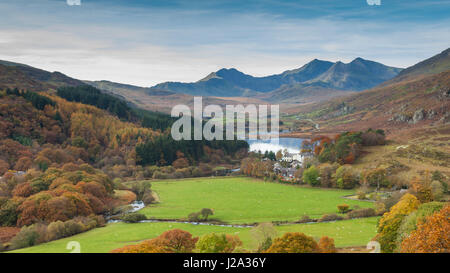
{"x": 244, "y": 200}
{"x": 234, "y": 200}
{"x": 357, "y": 232}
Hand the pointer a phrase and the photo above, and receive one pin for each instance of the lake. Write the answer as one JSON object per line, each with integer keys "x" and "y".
{"x": 291, "y": 144}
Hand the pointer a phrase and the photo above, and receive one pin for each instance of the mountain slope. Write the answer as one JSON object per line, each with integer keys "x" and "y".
{"x": 299, "y": 93}
{"x": 436, "y": 64}
{"x": 416, "y": 98}
{"x": 121, "y": 88}
{"x": 26, "y": 77}
{"x": 357, "y": 75}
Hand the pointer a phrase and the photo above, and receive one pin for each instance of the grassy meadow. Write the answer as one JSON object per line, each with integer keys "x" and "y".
{"x": 356, "y": 232}
{"x": 244, "y": 200}
{"x": 235, "y": 200}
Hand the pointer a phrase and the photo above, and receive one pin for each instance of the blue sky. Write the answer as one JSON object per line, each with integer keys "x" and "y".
{"x": 147, "y": 42}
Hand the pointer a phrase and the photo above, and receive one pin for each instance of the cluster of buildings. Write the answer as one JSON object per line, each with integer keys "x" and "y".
{"x": 288, "y": 164}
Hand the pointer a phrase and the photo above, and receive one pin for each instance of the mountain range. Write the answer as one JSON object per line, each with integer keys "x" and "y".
{"x": 316, "y": 85}
{"x": 321, "y": 75}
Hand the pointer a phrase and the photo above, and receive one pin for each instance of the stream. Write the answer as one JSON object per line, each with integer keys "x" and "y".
{"x": 138, "y": 205}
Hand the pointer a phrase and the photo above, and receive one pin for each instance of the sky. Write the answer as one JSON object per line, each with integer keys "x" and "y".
{"x": 148, "y": 42}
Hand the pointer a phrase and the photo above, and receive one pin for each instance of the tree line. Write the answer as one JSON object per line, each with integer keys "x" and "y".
{"x": 87, "y": 94}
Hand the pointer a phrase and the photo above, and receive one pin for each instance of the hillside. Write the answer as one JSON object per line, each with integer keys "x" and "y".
{"x": 161, "y": 100}
{"x": 436, "y": 64}
{"x": 22, "y": 76}
{"x": 302, "y": 94}
{"x": 419, "y": 96}
{"x": 122, "y": 89}
{"x": 356, "y": 76}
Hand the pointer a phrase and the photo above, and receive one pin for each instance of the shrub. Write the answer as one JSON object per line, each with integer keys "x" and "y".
{"x": 326, "y": 172}
{"x": 345, "y": 179}
{"x": 361, "y": 194}
{"x": 380, "y": 208}
{"x": 311, "y": 176}
{"x": 343, "y": 208}
{"x": 196, "y": 172}
{"x": 373, "y": 138}
{"x": 326, "y": 245}
{"x": 437, "y": 190}
{"x": 148, "y": 198}
{"x": 392, "y": 200}
{"x": 263, "y": 234}
{"x": 206, "y": 212}
{"x": 29, "y": 236}
{"x": 194, "y": 217}
{"x": 133, "y": 217}
{"x": 217, "y": 243}
{"x": 360, "y": 213}
{"x": 73, "y": 227}
{"x": 305, "y": 219}
{"x": 294, "y": 242}
{"x": 330, "y": 217}
{"x": 56, "y": 230}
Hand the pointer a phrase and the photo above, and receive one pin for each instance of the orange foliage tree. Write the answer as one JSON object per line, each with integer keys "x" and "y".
{"x": 294, "y": 242}
{"x": 171, "y": 241}
{"x": 326, "y": 245}
{"x": 431, "y": 235}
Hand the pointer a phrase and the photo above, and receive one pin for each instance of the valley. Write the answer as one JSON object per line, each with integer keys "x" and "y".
{"x": 75, "y": 154}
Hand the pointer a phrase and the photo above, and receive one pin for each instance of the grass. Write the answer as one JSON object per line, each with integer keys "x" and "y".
{"x": 244, "y": 200}
{"x": 357, "y": 232}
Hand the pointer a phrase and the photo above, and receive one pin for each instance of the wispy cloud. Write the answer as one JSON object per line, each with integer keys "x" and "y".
{"x": 168, "y": 41}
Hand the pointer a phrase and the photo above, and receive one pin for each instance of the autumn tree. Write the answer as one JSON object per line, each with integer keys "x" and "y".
{"x": 171, "y": 241}
{"x": 375, "y": 177}
{"x": 345, "y": 178}
{"x": 326, "y": 245}
{"x": 4, "y": 166}
{"x": 390, "y": 223}
{"x": 422, "y": 189}
{"x": 311, "y": 176}
{"x": 410, "y": 222}
{"x": 294, "y": 242}
{"x": 263, "y": 234}
{"x": 149, "y": 246}
{"x": 431, "y": 235}
{"x": 176, "y": 241}
{"x": 218, "y": 243}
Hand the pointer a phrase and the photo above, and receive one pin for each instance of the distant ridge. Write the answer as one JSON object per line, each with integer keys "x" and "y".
{"x": 358, "y": 75}
{"x": 34, "y": 79}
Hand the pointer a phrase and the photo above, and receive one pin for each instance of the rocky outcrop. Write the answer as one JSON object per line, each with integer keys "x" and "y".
{"x": 445, "y": 119}
{"x": 401, "y": 118}
{"x": 343, "y": 110}
{"x": 419, "y": 115}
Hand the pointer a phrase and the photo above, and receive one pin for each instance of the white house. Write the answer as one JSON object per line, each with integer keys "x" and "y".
{"x": 292, "y": 157}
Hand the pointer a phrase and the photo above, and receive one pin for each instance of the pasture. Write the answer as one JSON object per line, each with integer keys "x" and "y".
{"x": 240, "y": 200}
{"x": 356, "y": 232}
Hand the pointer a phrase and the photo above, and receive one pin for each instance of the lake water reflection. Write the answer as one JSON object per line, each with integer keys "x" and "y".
{"x": 291, "y": 144}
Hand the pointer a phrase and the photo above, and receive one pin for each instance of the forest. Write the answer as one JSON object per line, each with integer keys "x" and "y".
{"x": 87, "y": 94}
{"x": 59, "y": 157}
